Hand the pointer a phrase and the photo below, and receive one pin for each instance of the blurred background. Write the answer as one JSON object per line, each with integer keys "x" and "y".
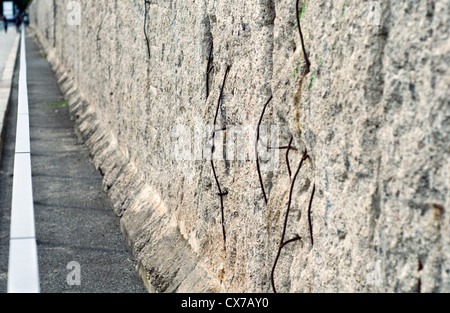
{"x": 10, "y": 9}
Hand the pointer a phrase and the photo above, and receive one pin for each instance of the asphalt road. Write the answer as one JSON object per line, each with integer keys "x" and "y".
{"x": 74, "y": 219}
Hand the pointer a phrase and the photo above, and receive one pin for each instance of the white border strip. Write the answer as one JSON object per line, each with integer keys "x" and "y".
{"x": 23, "y": 271}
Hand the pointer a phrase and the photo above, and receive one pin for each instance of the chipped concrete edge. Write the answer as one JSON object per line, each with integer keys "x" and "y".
{"x": 166, "y": 261}
{"x": 6, "y": 81}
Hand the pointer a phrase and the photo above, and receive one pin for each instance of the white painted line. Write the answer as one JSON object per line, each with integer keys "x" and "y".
{"x": 23, "y": 270}
{"x": 22, "y": 214}
{"x": 5, "y": 85}
{"x": 23, "y": 92}
{"x": 23, "y": 134}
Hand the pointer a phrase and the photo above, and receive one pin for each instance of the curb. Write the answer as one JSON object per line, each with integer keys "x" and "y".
{"x": 5, "y": 90}
{"x": 23, "y": 268}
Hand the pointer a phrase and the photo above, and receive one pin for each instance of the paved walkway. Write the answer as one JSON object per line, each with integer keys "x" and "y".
{"x": 6, "y": 43}
{"x": 74, "y": 219}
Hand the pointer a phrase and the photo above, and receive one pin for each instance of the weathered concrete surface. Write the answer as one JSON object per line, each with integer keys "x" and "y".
{"x": 73, "y": 215}
{"x": 373, "y": 114}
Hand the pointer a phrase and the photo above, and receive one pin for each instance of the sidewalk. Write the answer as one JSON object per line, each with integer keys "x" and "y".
{"x": 6, "y": 44}
{"x": 74, "y": 219}
{"x": 9, "y": 43}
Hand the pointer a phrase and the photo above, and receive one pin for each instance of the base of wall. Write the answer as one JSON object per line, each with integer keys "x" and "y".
{"x": 166, "y": 261}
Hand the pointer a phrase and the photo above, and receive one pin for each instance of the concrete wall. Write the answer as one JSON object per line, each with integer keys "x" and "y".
{"x": 372, "y": 114}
